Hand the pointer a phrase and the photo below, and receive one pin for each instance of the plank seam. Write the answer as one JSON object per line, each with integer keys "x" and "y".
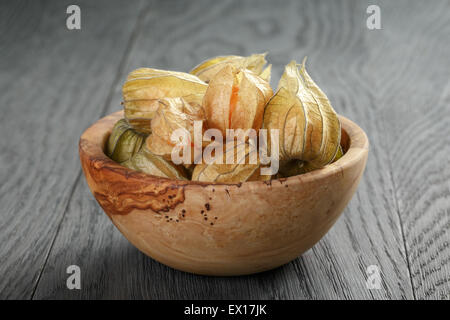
{"x": 402, "y": 232}
{"x": 41, "y": 271}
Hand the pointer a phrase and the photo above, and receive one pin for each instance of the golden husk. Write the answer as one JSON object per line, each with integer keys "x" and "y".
{"x": 309, "y": 127}
{"x": 255, "y": 63}
{"x": 147, "y": 162}
{"x": 266, "y": 73}
{"x": 241, "y": 170}
{"x": 173, "y": 114}
{"x": 235, "y": 99}
{"x": 145, "y": 87}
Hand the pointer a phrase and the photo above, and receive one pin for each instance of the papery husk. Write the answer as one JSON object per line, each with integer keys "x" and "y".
{"x": 309, "y": 166}
{"x": 339, "y": 154}
{"x": 235, "y": 99}
{"x": 241, "y": 170}
{"x": 309, "y": 127}
{"x": 173, "y": 114}
{"x": 149, "y": 163}
{"x": 295, "y": 167}
{"x": 255, "y": 63}
{"x": 266, "y": 73}
{"x": 145, "y": 87}
{"x": 124, "y": 142}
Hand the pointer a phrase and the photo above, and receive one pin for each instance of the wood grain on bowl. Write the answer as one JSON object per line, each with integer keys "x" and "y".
{"x": 222, "y": 229}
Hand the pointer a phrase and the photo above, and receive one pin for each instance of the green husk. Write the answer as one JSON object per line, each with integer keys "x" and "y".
{"x": 147, "y": 162}
{"x": 124, "y": 142}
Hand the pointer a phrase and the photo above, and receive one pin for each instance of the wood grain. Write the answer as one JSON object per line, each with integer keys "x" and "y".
{"x": 53, "y": 82}
{"x": 414, "y": 108}
{"x": 368, "y": 233}
{"x": 392, "y": 82}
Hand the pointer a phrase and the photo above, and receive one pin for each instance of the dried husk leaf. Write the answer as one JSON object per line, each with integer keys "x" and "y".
{"x": 266, "y": 73}
{"x": 149, "y": 163}
{"x": 309, "y": 127}
{"x": 339, "y": 154}
{"x": 235, "y": 99}
{"x": 241, "y": 170}
{"x": 295, "y": 167}
{"x": 308, "y": 166}
{"x": 145, "y": 87}
{"x": 173, "y": 114}
{"x": 208, "y": 69}
{"x": 124, "y": 142}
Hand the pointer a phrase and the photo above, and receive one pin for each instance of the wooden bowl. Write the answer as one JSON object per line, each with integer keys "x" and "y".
{"x": 222, "y": 229}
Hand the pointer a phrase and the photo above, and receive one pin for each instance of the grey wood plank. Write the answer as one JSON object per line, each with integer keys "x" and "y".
{"x": 414, "y": 99}
{"x": 335, "y": 37}
{"x": 53, "y": 82}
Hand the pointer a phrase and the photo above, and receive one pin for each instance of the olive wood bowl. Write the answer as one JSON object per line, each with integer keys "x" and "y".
{"x": 222, "y": 229}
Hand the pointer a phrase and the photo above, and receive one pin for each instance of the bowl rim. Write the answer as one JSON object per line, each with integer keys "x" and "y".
{"x": 93, "y": 140}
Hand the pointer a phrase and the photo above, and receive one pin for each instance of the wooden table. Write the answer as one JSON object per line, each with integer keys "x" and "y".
{"x": 393, "y": 82}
